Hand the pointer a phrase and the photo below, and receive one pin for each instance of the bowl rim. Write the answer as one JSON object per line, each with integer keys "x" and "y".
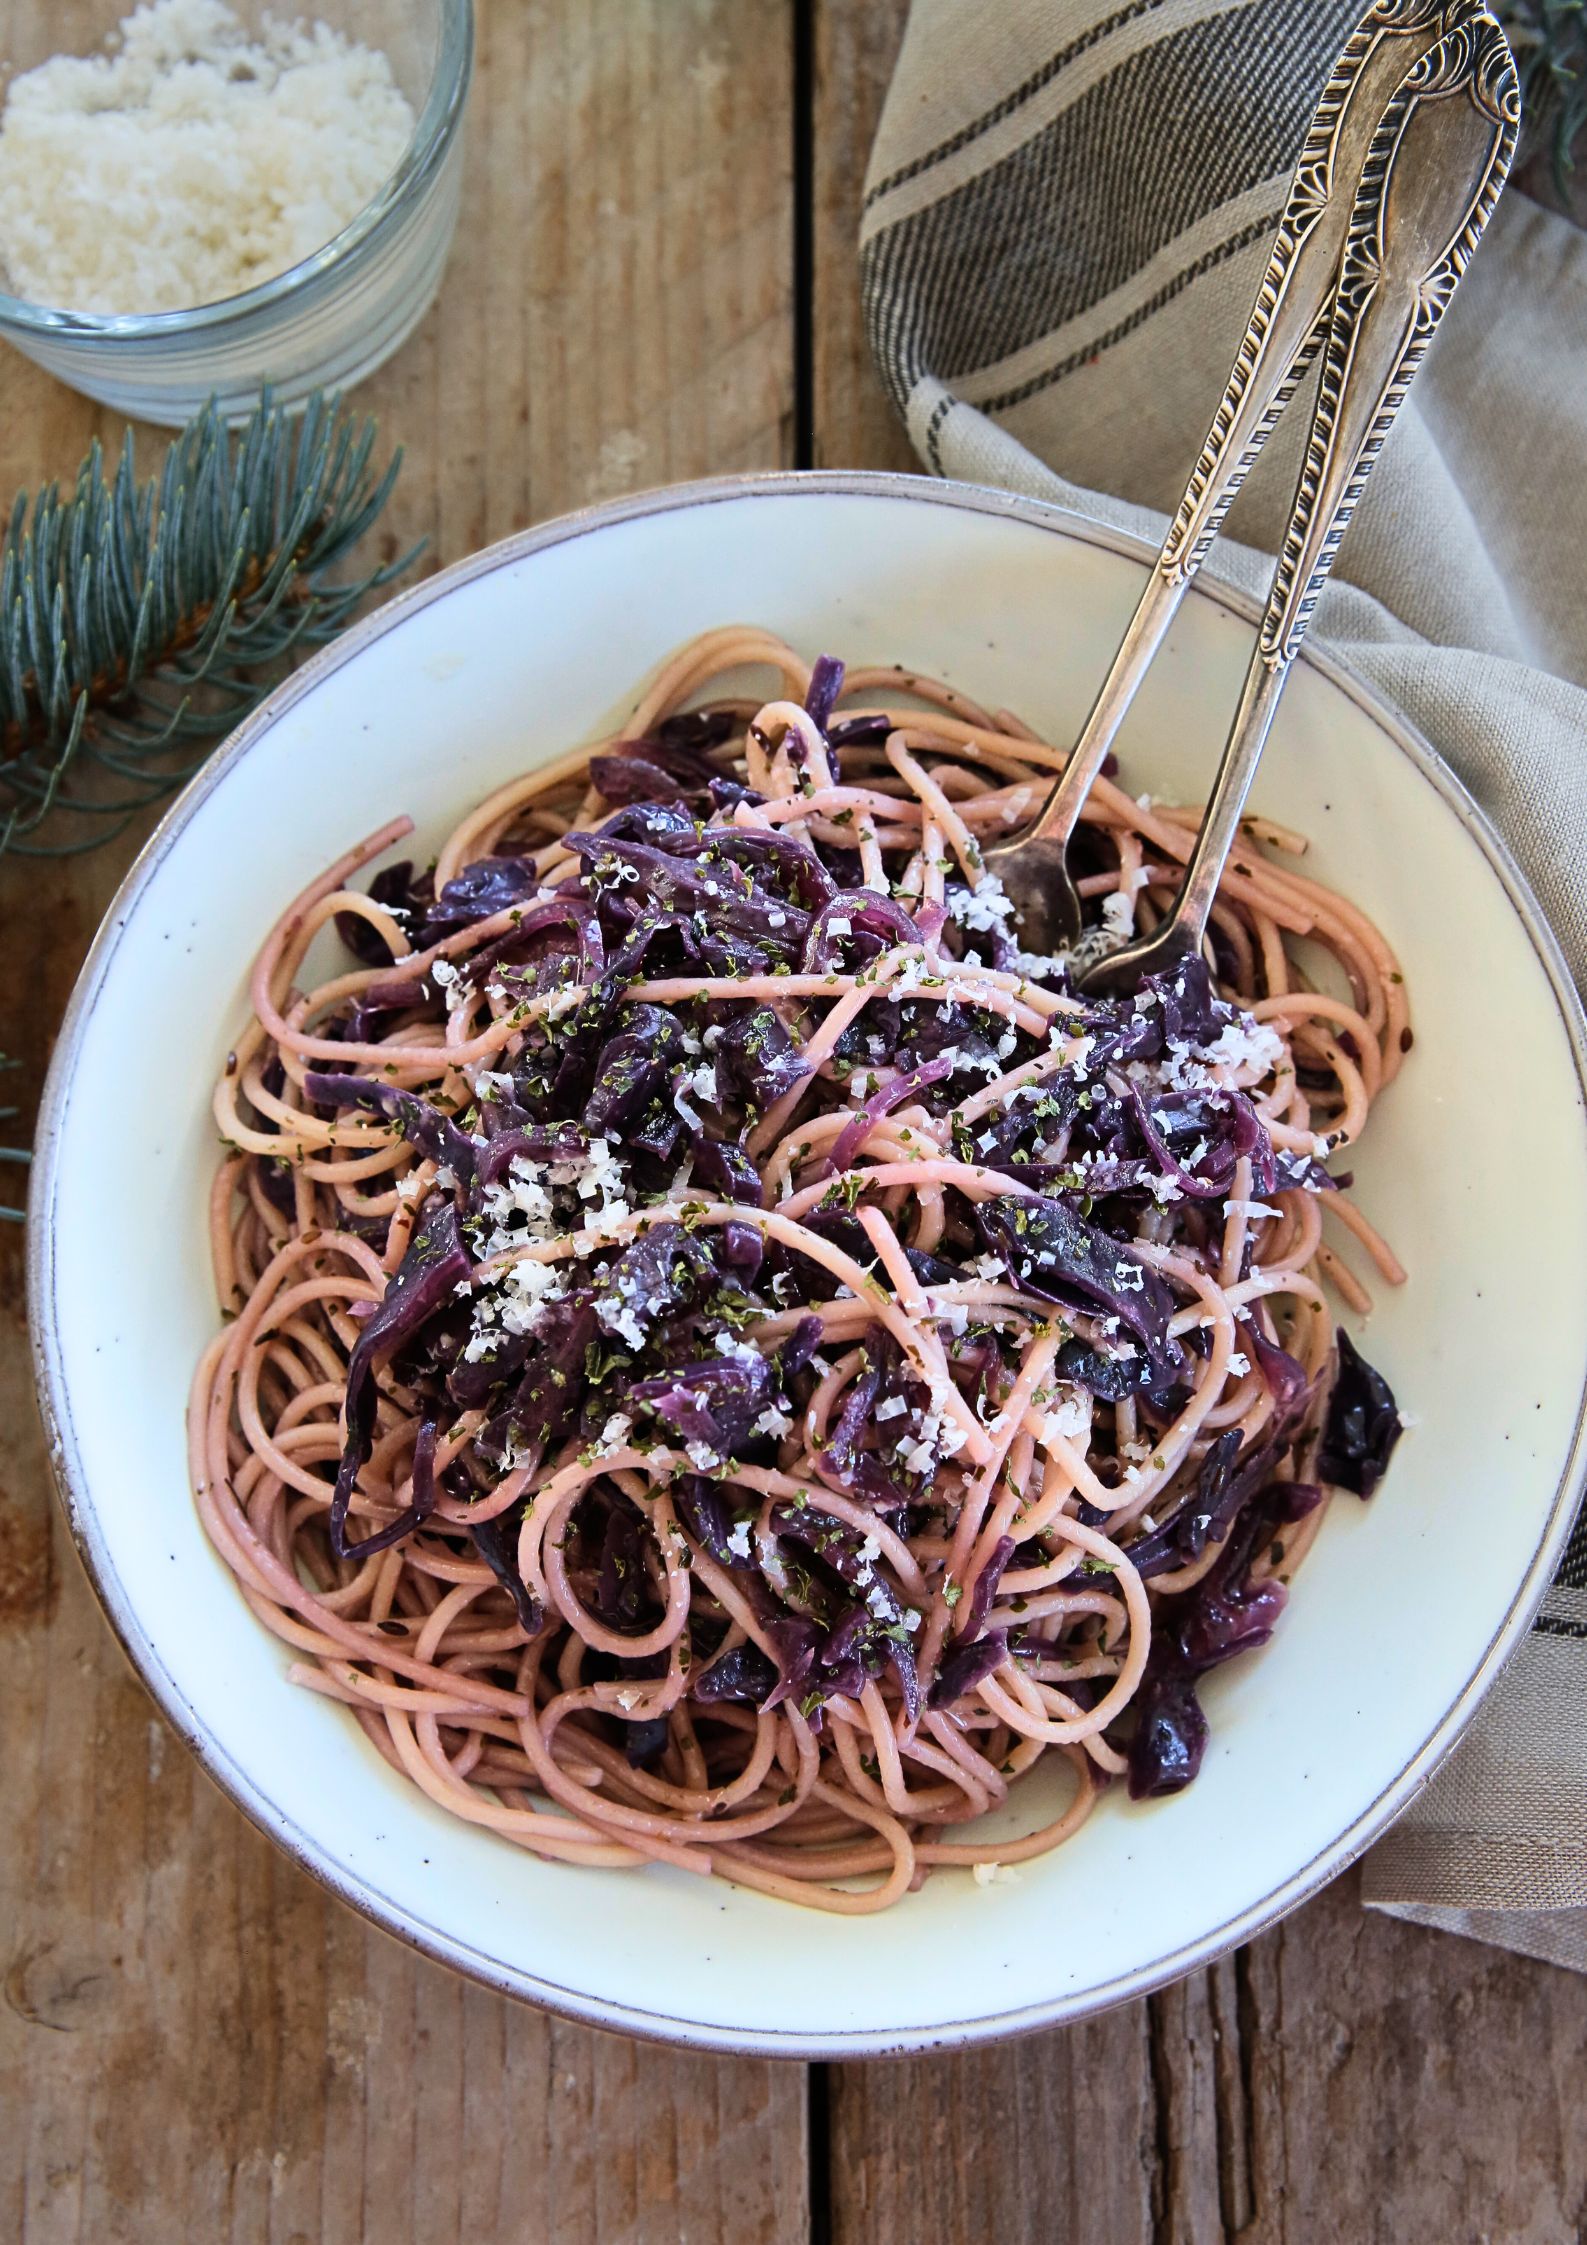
{"x": 434, "y": 132}
{"x": 77, "y": 1502}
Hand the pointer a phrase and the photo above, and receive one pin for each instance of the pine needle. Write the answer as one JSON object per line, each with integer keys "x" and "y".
{"x": 140, "y": 622}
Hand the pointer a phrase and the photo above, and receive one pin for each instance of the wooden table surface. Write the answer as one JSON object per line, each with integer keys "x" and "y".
{"x": 654, "y": 278}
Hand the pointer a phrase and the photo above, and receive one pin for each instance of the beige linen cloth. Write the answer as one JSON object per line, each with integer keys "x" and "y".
{"x": 1067, "y": 212}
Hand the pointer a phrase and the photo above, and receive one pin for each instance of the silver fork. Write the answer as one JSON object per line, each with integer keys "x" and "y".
{"x": 1433, "y": 173}
{"x": 1286, "y": 326}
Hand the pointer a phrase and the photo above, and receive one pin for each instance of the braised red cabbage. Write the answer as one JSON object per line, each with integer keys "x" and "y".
{"x": 643, "y": 1337}
{"x": 1362, "y": 1423}
{"x": 1057, "y": 1255}
{"x": 436, "y": 1262}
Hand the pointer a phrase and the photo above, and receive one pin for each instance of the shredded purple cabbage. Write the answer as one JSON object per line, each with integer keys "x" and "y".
{"x": 826, "y": 683}
{"x": 715, "y": 1402}
{"x": 1362, "y": 1424}
{"x": 496, "y": 1541}
{"x": 435, "y": 1263}
{"x": 1053, "y": 1253}
{"x": 405, "y": 894}
{"x": 1228, "y": 1612}
{"x": 425, "y": 1127}
{"x": 966, "y": 1665}
{"x": 743, "y": 1674}
{"x": 647, "y": 1339}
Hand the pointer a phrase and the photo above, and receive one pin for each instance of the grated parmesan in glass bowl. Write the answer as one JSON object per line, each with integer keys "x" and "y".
{"x": 201, "y": 196}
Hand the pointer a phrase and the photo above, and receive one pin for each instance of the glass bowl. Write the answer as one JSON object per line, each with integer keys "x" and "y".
{"x": 325, "y": 322}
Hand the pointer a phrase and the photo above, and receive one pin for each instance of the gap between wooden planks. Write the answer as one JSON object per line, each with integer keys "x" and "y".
{"x": 196, "y": 2044}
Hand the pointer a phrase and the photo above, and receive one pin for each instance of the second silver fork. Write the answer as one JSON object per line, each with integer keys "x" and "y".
{"x": 1288, "y": 320}
{"x": 1433, "y": 174}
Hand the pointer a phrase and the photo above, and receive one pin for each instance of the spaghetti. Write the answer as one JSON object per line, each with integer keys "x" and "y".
{"x": 731, "y": 1362}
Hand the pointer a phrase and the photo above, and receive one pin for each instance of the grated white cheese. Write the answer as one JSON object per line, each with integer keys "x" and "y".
{"x": 614, "y": 1435}
{"x": 703, "y": 1082}
{"x": 959, "y": 1060}
{"x": 625, "y": 1324}
{"x": 938, "y": 1426}
{"x": 937, "y": 1437}
{"x": 1246, "y": 1043}
{"x": 520, "y": 1210}
{"x": 916, "y": 1456}
{"x": 1118, "y": 914}
{"x": 916, "y": 973}
{"x": 192, "y": 163}
{"x": 1070, "y": 1422}
{"x": 982, "y": 909}
{"x": 529, "y": 1287}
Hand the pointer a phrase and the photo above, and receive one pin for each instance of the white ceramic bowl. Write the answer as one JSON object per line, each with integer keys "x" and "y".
{"x": 1476, "y": 1163}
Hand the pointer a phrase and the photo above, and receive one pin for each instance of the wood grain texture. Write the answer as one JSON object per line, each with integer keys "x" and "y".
{"x": 1344, "y": 2081}
{"x": 853, "y": 48}
{"x": 196, "y": 2044}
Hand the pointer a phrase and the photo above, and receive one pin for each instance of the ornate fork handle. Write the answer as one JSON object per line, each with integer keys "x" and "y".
{"x": 1456, "y": 116}
{"x": 1290, "y": 315}
{"x": 1433, "y": 173}
{"x": 1288, "y": 320}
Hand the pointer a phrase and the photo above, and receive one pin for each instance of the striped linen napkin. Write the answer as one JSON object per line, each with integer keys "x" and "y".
{"x": 1067, "y": 212}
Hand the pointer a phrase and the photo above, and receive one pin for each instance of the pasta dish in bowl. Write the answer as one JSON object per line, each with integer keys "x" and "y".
{"x": 733, "y": 1360}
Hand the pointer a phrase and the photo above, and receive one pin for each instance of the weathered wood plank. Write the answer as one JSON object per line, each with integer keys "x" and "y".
{"x": 196, "y": 2043}
{"x": 1047, "y": 2139}
{"x": 853, "y": 49}
{"x": 1345, "y": 2081}
{"x": 1409, "y": 2086}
